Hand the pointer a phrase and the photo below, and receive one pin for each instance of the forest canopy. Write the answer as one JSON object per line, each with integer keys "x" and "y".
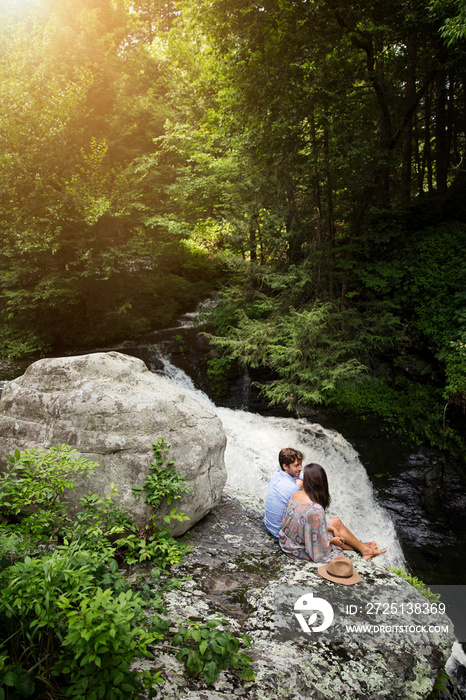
{"x": 308, "y": 152}
{"x": 86, "y": 251}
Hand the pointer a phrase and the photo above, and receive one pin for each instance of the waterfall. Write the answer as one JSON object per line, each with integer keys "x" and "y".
{"x": 251, "y": 457}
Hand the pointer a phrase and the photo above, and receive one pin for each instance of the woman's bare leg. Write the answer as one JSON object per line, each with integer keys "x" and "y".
{"x": 367, "y": 549}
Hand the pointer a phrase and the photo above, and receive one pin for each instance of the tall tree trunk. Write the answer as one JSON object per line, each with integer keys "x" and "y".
{"x": 450, "y": 106}
{"x": 315, "y": 181}
{"x": 253, "y": 238}
{"x": 328, "y": 179}
{"x": 420, "y": 163}
{"x": 441, "y": 154}
{"x": 377, "y": 75}
{"x": 464, "y": 106}
{"x": 427, "y": 138}
{"x": 329, "y": 201}
{"x": 260, "y": 238}
{"x": 407, "y": 138}
{"x": 295, "y": 239}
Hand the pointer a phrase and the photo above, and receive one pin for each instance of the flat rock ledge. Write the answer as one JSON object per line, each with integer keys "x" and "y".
{"x": 238, "y": 572}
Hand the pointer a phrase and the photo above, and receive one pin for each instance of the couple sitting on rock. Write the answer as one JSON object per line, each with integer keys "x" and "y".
{"x": 295, "y": 513}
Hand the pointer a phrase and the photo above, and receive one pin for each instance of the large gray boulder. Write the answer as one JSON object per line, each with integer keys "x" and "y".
{"x": 111, "y": 409}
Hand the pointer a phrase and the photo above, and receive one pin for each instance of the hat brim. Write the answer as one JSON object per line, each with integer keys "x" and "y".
{"x": 355, "y": 578}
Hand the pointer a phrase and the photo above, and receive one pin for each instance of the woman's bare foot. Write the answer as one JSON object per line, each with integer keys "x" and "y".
{"x": 374, "y": 553}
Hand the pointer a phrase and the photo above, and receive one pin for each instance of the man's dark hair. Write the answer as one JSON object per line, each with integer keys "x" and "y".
{"x": 289, "y": 455}
{"x": 315, "y": 484}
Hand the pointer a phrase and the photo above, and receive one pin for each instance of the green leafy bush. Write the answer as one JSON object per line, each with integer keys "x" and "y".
{"x": 206, "y": 649}
{"x": 34, "y": 483}
{"x": 34, "y": 593}
{"x": 70, "y": 623}
{"x": 100, "y": 521}
{"x": 154, "y": 544}
{"x": 163, "y": 481}
{"x": 105, "y": 634}
{"x": 68, "y": 617}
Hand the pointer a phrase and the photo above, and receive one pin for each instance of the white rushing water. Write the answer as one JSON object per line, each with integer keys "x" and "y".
{"x": 251, "y": 457}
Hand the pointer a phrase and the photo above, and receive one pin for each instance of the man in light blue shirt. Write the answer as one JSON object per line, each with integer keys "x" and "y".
{"x": 283, "y": 484}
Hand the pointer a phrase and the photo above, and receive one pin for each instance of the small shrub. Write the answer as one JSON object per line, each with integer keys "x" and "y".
{"x": 417, "y": 583}
{"x": 105, "y": 636}
{"x": 206, "y": 649}
{"x": 154, "y": 544}
{"x": 32, "y": 490}
{"x": 37, "y": 597}
{"x": 163, "y": 481}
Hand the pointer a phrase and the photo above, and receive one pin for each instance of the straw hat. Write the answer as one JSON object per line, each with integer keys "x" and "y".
{"x": 340, "y": 570}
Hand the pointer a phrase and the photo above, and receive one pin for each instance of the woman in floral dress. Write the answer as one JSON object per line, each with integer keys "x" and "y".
{"x": 305, "y": 532}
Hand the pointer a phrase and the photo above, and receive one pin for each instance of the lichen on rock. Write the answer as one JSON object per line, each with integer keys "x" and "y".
{"x": 254, "y": 586}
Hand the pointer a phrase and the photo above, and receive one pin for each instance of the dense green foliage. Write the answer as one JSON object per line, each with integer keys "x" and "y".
{"x": 86, "y": 253}
{"x": 327, "y": 141}
{"x": 393, "y": 347}
{"x": 321, "y": 143}
{"x": 68, "y": 616}
{"x": 70, "y": 623}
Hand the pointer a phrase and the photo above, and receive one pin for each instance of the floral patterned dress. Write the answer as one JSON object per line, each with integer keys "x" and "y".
{"x": 304, "y": 533}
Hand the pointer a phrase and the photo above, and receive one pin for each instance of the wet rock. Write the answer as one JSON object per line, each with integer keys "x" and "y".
{"x": 431, "y": 494}
{"x": 110, "y": 408}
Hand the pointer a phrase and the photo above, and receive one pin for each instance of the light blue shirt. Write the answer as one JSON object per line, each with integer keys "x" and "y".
{"x": 282, "y": 486}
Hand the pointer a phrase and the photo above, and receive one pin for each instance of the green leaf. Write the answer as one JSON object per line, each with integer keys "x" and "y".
{"x": 193, "y": 663}
{"x": 10, "y": 678}
{"x": 247, "y": 674}
{"x": 211, "y": 672}
{"x": 118, "y": 678}
{"x": 215, "y": 622}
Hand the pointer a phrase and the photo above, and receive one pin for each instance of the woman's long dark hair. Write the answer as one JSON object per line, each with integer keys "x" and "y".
{"x": 315, "y": 484}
